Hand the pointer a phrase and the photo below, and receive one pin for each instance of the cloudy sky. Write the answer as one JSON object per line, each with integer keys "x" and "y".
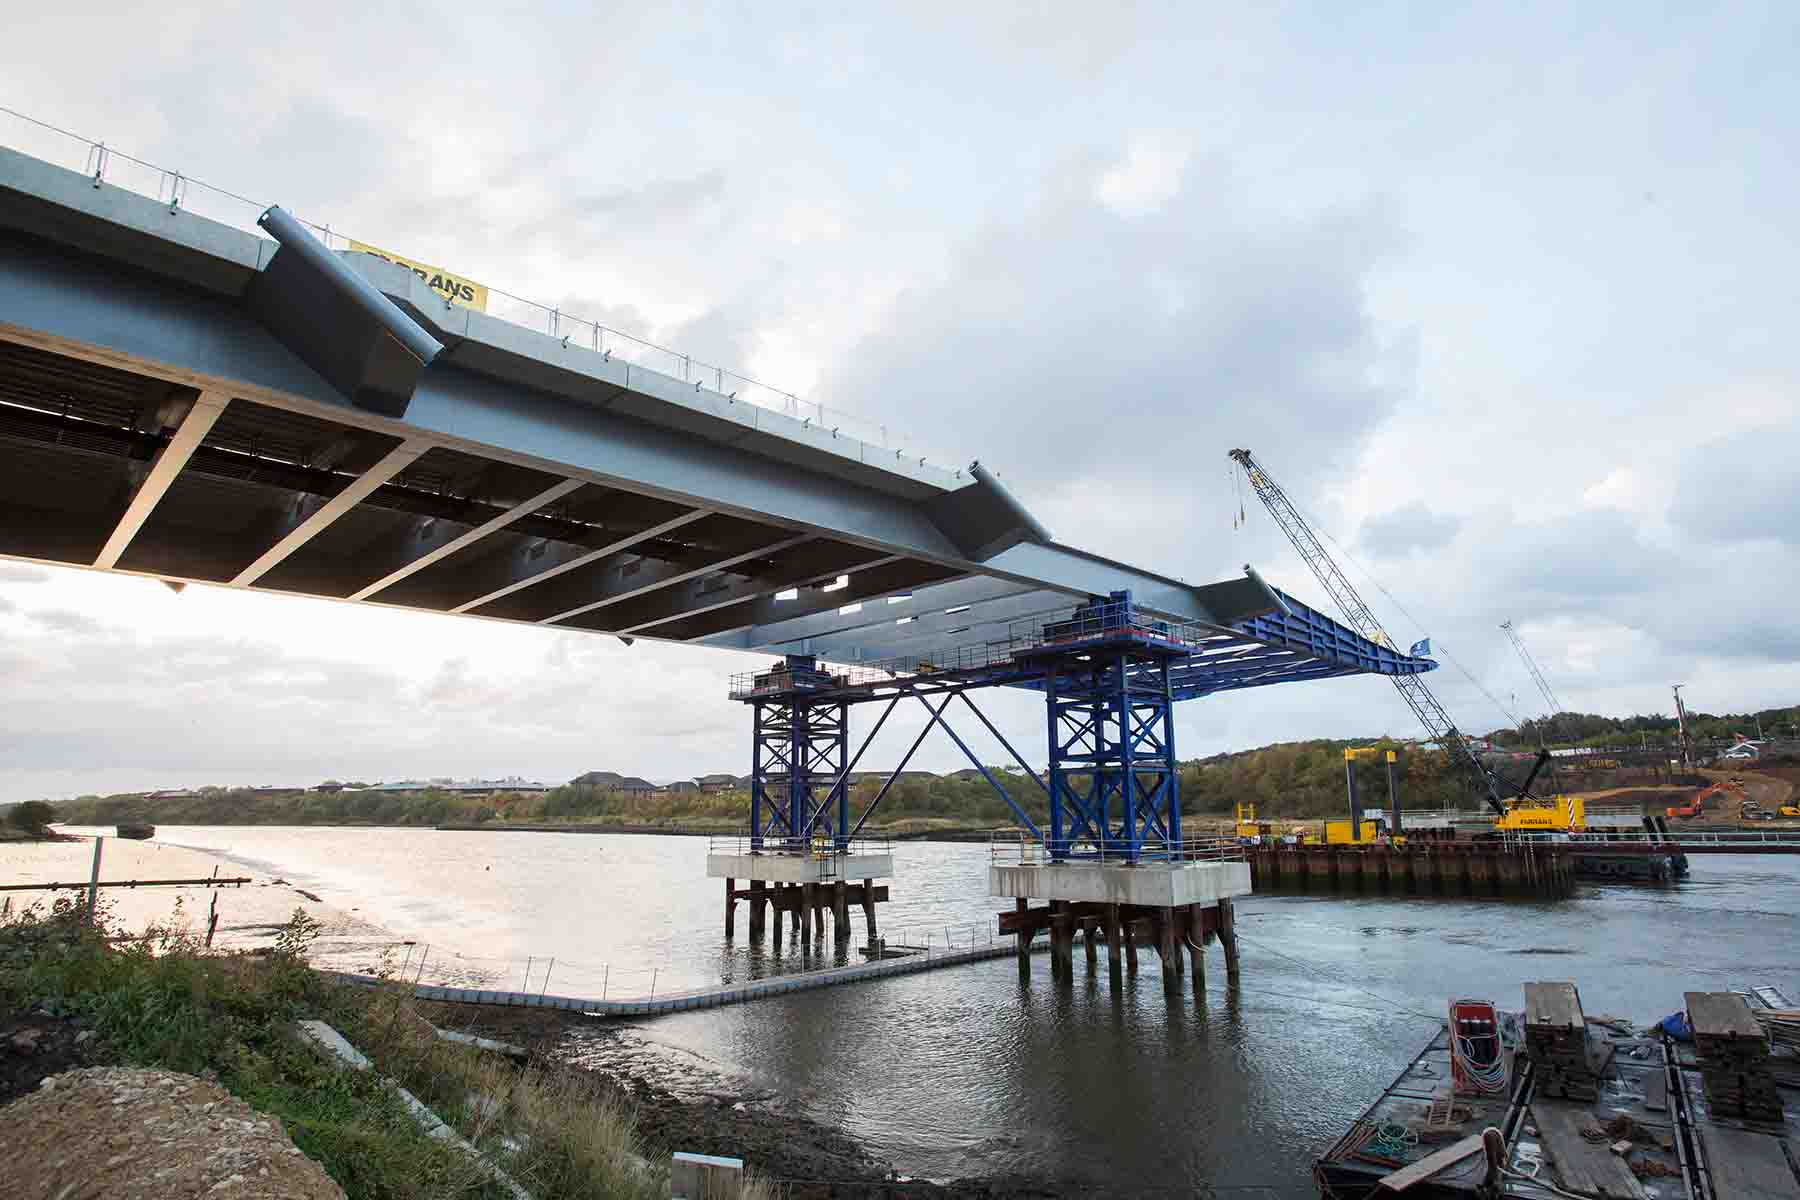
{"x": 1498, "y": 294}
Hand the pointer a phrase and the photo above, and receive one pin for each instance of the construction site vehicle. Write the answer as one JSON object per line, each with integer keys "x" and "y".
{"x": 1750, "y": 810}
{"x": 1789, "y": 810}
{"x": 1528, "y": 814}
{"x": 1701, "y": 799}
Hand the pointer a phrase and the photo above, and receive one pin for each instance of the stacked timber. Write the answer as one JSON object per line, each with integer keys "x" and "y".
{"x": 1734, "y": 1057}
{"x": 1782, "y": 1025}
{"x": 1566, "y": 1062}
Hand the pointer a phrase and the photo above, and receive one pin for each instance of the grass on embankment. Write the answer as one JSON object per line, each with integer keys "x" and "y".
{"x": 160, "y": 1000}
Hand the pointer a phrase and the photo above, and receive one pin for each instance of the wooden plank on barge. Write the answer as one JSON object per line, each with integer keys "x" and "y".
{"x": 1745, "y": 1165}
{"x": 1431, "y": 1164}
{"x": 1580, "y": 1165}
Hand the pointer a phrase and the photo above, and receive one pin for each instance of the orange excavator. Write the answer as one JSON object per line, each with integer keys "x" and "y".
{"x": 1697, "y": 805}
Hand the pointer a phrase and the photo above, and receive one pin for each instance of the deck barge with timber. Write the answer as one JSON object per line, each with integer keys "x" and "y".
{"x": 1651, "y": 1130}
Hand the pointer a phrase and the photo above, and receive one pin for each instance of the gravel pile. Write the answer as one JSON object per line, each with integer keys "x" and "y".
{"x": 154, "y": 1135}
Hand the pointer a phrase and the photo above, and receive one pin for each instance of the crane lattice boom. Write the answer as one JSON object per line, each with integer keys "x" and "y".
{"x": 1537, "y": 676}
{"x": 1412, "y": 688}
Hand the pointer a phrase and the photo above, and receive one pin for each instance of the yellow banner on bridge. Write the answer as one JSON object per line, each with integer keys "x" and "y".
{"x": 457, "y": 289}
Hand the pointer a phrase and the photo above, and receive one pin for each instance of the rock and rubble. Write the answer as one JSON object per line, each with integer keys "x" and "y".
{"x": 152, "y": 1135}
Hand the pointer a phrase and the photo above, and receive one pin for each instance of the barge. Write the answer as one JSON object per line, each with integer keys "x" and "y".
{"x": 1590, "y": 1108}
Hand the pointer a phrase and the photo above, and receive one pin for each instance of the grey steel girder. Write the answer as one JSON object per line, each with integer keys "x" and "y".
{"x": 91, "y": 274}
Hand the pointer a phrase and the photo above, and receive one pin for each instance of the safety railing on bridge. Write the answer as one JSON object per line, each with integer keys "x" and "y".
{"x": 1018, "y": 848}
{"x": 821, "y": 847}
{"x": 110, "y": 167}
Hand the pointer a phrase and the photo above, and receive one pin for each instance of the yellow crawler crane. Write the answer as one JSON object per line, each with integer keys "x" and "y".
{"x": 1554, "y": 814}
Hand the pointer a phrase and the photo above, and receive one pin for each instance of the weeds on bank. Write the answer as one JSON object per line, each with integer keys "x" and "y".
{"x": 160, "y": 999}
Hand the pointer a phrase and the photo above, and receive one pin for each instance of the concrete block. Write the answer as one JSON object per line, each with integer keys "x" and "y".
{"x": 799, "y": 868}
{"x": 705, "y": 1177}
{"x": 1156, "y": 885}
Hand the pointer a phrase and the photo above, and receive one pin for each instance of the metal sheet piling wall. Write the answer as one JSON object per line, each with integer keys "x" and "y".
{"x": 1429, "y": 869}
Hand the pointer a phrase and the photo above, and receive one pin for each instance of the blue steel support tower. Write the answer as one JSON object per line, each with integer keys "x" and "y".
{"x": 800, "y": 745}
{"x": 1114, "y": 784}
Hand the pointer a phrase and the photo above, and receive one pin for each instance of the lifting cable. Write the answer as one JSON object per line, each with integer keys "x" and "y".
{"x": 1240, "y": 520}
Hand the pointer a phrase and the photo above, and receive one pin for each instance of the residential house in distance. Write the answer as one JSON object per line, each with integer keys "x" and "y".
{"x": 683, "y": 787}
{"x": 633, "y": 786}
{"x": 711, "y": 784}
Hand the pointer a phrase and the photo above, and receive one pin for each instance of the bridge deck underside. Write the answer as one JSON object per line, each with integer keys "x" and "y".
{"x": 106, "y": 467}
{"x": 184, "y": 400}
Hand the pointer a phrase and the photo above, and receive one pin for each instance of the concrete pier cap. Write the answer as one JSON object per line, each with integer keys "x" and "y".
{"x": 1156, "y": 885}
{"x": 802, "y": 868}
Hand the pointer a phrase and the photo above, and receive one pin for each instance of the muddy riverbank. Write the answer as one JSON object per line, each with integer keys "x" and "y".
{"x": 704, "y": 1114}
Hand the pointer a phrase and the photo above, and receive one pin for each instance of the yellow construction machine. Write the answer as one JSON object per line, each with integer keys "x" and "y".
{"x": 1248, "y": 826}
{"x": 1531, "y": 814}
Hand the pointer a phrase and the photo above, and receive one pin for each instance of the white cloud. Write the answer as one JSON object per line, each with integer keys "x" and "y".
{"x": 1512, "y": 324}
{"x": 1147, "y": 179}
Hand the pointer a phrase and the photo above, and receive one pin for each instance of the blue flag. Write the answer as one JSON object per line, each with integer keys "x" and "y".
{"x": 1420, "y": 648}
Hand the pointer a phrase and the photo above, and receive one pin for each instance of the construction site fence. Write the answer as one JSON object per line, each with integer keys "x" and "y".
{"x": 108, "y": 166}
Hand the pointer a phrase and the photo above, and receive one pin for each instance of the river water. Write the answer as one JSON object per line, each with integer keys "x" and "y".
{"x": 969, "y": 1071}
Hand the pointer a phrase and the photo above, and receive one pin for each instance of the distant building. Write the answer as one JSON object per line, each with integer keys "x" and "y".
{"x": 717, "y": 783}
{"x": 684, "y": 787}
{"x": 599, "y": 779}
{"x": 634, "y": 786}
{"x": 463, "y": 787}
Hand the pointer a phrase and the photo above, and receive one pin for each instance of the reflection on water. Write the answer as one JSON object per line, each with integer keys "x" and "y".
{"x": 968, "y": 1071}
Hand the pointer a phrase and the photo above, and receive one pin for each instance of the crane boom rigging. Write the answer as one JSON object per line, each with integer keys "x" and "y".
{"x": 1412, "y": 688}
{"x": 1537, "y": 676}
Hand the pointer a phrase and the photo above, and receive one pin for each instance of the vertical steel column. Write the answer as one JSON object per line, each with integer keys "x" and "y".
{"x": 1393, "y": 772}
{"x": 1095, "y": 710}
{"x": 1172, "y": 789}
{"x": 1119, "y": 704}
{"x": 799, "y": 770}
{"x": 1350, "y": 787}
{"x": 756, "y": 776}
{"x": 840, "y": 772}
{"x": 1059, "y": 848}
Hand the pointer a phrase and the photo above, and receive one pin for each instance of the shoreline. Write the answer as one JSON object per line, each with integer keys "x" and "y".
{"x": 251, "y": 915}
{"x": 712, "y": 1113}
{"x": 907, "y": 835}
{"x": 695, "y": 1107}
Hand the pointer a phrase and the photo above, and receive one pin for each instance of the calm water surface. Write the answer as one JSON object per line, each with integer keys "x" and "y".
{"x": 969, "y": 1071}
